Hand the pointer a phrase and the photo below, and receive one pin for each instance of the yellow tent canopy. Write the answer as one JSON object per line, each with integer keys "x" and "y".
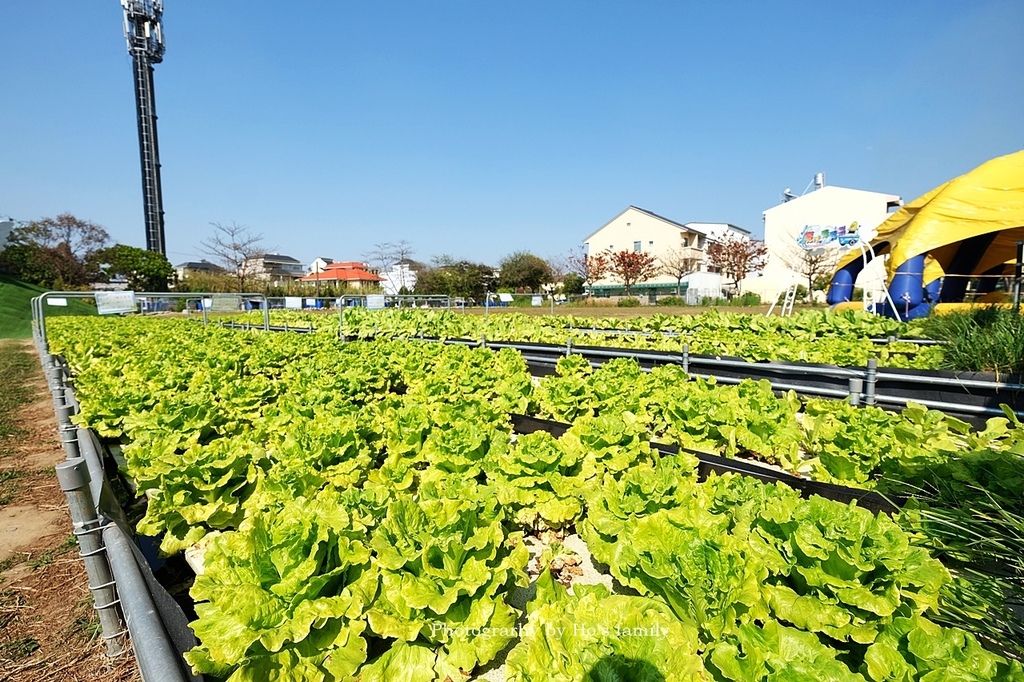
{"x": 967, "y": 226}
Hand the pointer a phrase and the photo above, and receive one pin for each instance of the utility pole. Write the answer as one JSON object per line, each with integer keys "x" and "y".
{"x": 144, "y": 32}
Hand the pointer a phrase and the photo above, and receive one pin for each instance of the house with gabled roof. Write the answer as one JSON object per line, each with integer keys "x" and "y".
{"x": 200, "y": 267}
{"x": 637, "y": 229}
{"x": 356, "y": 275}
{"x": 275, "y": 268}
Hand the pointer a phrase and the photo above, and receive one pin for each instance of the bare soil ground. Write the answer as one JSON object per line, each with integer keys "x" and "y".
{"x": 48, "y": 629}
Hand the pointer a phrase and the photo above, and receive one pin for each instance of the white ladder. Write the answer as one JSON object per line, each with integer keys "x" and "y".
{"x": 788, "y": 296}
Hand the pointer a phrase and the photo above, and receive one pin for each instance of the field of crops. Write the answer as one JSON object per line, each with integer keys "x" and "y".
{"x": 838, "y": 338}
{"x": 364, "y": 511}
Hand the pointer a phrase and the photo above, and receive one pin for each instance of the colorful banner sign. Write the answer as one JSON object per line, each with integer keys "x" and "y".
{"x": 829, "y": 236}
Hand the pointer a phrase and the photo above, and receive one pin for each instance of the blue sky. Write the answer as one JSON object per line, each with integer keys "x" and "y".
{"x": 480, "y": 128}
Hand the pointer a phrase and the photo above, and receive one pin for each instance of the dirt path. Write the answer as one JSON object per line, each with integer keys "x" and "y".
{"x": 48, "y": 629}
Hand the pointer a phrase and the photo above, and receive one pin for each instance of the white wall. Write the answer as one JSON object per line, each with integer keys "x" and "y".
{"x": 397, "y": 277}
{"x": 828, "y": 205}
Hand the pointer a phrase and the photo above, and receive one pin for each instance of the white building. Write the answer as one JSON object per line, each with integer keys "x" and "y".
{"x": 636, "y": 229}
{"x": 401, "y": 275}
{"x": 318, "y": 265}
{"x": 825, "y": 207}
{"x": 6, "y": 226}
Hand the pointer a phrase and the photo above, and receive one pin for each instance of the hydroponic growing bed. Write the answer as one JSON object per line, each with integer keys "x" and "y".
{"x": 365, "y": 511}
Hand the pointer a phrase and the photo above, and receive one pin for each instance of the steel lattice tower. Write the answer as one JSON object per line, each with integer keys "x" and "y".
{"x": 144, "y": 32}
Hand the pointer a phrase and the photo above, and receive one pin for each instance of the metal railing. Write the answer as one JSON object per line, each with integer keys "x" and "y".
{"x": 122, "y": 596}
{"x": 39, "y": 304}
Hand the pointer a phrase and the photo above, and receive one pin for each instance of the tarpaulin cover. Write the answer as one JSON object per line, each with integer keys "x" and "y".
{"x": 988, "y": 200}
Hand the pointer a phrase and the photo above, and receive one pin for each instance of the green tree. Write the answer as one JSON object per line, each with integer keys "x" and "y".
{"x": 144, "y": 270}
{"x": 53, "y": 252}
{"x": 573, "y": 285}
{"x": 523, "y": 270}
{"x": 455, "y": 278}
{"x": 72, "y": 235}
{"x": 207, "y": 282}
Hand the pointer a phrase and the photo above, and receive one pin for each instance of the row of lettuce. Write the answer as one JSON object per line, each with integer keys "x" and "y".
{"x": 839, "y": 338}
{"x": 360, "y": 510}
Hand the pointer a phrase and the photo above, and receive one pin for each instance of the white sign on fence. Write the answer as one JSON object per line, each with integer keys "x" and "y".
{"x": 505, "y": 298}
{"x": 375, "y": 301}
{"x": 115, "y": 302}
{"x": 311, "y": 302}
{"x": 293, "y": 302}
{"x": 60, "y": 302}
{"x": 225, "y": 303}
{"x": 537, "y": 301}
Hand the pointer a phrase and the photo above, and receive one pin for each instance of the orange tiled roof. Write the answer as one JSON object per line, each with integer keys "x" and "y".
{"x": 349, "y": 271}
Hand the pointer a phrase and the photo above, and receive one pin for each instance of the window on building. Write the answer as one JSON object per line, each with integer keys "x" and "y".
{"x": 650, "y": 243}
{"x": 637, "y": 246}
{"x": 686, "y": 242}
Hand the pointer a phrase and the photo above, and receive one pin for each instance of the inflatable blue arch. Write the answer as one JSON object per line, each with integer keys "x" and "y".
{"x": 966, "y": 228}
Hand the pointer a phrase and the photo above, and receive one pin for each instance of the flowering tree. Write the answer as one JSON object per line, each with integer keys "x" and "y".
{"x": 737, "y": 257}
{"x": 632, "y": 267}
{"x": 591, "y": 268}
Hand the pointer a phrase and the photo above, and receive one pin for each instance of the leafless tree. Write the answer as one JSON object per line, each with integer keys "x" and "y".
{"x": 381, "y": 256}
{"x": 679, "y": 262}
{"x": 559, "y": 267}
{"x": 816, "y": 265}
{"x": 232, "y": 246}
{"x": 387, "y": 255}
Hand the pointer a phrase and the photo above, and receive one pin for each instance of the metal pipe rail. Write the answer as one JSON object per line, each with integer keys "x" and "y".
{"x": 121, "y": 595}
{"x": 39, "y": 309}
{"x": 861, "y": 384}
{"x": 949, "y": 381}
{"x": 156, "y": 657}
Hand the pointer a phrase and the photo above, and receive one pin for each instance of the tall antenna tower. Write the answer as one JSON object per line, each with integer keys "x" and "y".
{"x": 144, "y": 32}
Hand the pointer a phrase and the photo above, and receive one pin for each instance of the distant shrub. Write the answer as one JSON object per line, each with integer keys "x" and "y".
{"x": 672, "y": 300}
{"x": 746, "y": 300}
{"x": 628, "y": 303}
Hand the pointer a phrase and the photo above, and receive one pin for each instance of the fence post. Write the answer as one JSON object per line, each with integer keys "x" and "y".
{"x": 73, "y": 476}
{"x": 68, "y": 431}
{"x": 686, "y": 358}
{"x": 856, "y": 388}
{"x": 872, "y": 377}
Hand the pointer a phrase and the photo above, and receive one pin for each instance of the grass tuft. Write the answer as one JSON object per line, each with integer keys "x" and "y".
{"x": 47, "y": 557}
{"x": 19, "y": 649}
{"x": 987, "y": 339}
{"x": 8, "y": 485}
